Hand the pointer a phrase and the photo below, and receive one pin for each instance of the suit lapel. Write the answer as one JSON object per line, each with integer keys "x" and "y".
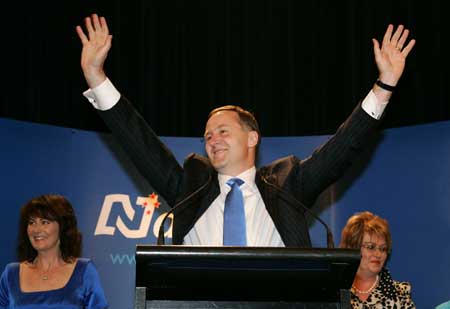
{"x": 269, "y": 196}
{"x": 211, "y": 194}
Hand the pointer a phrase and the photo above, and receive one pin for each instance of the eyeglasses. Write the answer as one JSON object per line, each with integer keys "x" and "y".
{"x": 371, "y": 247}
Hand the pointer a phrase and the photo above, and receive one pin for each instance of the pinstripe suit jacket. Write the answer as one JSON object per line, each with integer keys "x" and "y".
{"x": 303, "y": 179}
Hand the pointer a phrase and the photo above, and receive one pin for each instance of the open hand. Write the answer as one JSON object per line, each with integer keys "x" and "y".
{"x": 96, "y": 45}
{"x": 391, "y": 56}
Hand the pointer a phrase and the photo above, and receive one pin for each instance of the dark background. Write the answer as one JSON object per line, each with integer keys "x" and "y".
{"x": 300, "y": 66}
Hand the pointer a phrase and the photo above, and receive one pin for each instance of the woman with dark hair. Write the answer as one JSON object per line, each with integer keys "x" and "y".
{"x": 50, "y": 273}
{"x": 373, "y": 286}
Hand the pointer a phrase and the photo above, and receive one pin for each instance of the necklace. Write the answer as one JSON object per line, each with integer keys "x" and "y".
{"x": 367, "y": 291}
{"x": 44, "y": 275}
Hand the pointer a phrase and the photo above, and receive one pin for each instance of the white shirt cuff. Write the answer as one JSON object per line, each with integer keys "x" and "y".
{"x": 104, "y": 96}
{"x": 372, "y": 106}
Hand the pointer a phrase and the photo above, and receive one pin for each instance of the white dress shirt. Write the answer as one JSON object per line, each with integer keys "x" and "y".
{"x": 261, "y": 231}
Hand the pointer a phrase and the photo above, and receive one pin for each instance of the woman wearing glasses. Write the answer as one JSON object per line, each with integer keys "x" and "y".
{"x": 373, "y": 286}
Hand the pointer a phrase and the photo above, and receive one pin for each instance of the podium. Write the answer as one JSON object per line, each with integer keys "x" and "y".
{"x": 243, "y": 277}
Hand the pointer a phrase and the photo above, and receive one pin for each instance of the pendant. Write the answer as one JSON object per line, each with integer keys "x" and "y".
{"x": 44, "y": 277}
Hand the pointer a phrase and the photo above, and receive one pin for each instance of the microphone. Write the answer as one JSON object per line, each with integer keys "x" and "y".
{"x": 175, "y": 207}
{"x": 330, "y": 242}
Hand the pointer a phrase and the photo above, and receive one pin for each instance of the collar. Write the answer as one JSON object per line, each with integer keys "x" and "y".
{"x": 247, "y": 176}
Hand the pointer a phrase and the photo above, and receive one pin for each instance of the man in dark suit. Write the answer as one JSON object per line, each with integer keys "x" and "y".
{"x": 272, "y": 216}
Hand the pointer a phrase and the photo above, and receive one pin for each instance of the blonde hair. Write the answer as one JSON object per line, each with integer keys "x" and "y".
{"x": 361, "y": 223}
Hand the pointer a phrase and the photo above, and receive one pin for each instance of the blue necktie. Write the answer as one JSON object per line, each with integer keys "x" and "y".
{"x": 234, "y": 231}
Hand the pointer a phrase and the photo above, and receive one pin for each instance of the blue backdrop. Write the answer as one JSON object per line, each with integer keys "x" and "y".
{"x": 402, "y": 176}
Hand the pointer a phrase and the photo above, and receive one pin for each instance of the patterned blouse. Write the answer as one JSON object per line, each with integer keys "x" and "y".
{"x": 389, "y": 294}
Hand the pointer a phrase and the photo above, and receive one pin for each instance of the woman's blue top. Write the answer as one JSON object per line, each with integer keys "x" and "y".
{"x": 83, "y": 290}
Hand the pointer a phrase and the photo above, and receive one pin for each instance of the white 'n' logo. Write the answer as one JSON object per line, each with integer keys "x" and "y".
{"x": 148, "y": 202}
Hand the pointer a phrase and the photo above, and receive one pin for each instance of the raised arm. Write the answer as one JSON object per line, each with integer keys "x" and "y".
{"x": 154, "y": 160}
{"x": 331, "y": 160}
{"x": 96, "y": 45}
{"x": 390, "y": 58}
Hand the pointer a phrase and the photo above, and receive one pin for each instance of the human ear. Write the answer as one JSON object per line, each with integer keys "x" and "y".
{"x": 253, "y": 139}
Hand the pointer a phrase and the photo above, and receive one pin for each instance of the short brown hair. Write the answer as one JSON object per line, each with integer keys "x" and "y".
{"x": 54, "y": 208}
{"x": 246, "y": 118}
{"x": 365, "y": 222}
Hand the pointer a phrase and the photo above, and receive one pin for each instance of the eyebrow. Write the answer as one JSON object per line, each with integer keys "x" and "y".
{"x": 373, "y": 243}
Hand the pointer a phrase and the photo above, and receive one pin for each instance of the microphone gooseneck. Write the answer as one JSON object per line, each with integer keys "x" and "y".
{"x": 330, "y": 241}
{"x": 160, "y": 240}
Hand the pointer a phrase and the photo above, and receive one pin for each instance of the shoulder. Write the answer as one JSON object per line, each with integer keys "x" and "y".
{"x": 85, "y": 262}
{"x": 279, "y": 171}
{"x": 196, "y": 160}
{"x": 84, "y": 265}
{"x": 195, "y": 165}
{"x": 404, "y": 294}
{"x": 402, "y": 287}
{"x": 9, "y": 279}
{"x": 11, "y": 268}
{"x": 87, "y": 279}
{"x": 393, "y": 289}
{"x": 85, "y": 269}
{"x": 280, "y": 165}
